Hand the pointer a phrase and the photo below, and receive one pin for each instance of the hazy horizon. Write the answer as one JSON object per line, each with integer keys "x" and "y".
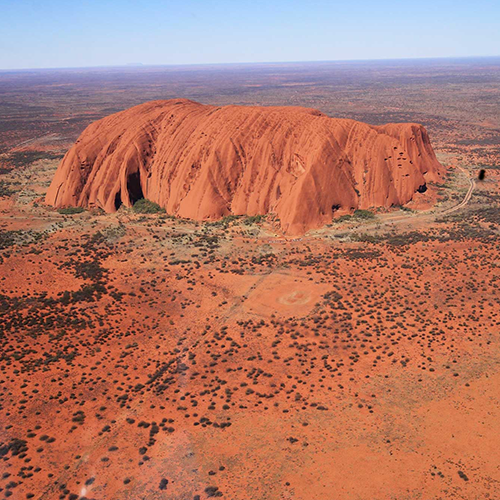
{"x": 139, "y": 65}
{"x": 119, "y": 33}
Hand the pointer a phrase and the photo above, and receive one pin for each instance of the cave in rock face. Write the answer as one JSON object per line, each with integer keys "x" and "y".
{"x": 118, "y": 200}
{"x": 134, "y": 187}
{"x": 205, "y": 162}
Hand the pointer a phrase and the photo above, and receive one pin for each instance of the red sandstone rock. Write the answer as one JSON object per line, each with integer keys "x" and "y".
{"x": 204, "y": 162}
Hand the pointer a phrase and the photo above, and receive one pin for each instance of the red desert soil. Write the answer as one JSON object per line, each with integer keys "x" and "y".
{"x": 158, "y": 358}
{"x": 204, "y": 162}
{"x": 150, "y": 357}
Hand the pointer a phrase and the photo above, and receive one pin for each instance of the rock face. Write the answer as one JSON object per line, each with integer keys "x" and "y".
{"x": 204, "y": 162}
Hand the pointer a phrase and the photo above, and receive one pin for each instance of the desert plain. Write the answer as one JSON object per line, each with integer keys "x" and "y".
{"x": 146, "y": 356}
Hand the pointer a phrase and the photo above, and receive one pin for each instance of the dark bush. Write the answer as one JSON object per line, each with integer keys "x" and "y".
{"x": 144, "y": 206}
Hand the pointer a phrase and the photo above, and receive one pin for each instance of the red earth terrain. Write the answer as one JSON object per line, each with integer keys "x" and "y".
{"x": 151, "y": 357}
{"x": 148, "y": 356}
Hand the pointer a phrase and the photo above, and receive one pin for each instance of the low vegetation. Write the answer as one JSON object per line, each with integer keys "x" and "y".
{"x": 144, "y": 206}
{"x": 5, "y": 189}
{"x": 71, "y": 210}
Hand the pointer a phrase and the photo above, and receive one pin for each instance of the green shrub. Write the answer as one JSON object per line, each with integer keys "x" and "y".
{"x": 363, "y": 214}
{"x": 343, "y": 218}
{"x": 5, "y": 189}
{"x": 253, "y": 219}
{"x": 144, "y": 206}
{"x": 71, "y": 210}
{"x": 227, "y": 219}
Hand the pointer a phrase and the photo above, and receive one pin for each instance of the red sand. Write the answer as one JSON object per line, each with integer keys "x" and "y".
{"x": 354, "y": 370}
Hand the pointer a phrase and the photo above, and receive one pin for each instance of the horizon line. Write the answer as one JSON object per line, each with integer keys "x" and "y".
{"x": 139, "y": 65}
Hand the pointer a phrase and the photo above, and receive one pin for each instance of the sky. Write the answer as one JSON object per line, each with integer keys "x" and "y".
{"x": 65, "y": 33}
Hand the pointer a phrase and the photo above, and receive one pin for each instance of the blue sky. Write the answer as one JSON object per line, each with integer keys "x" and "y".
{"x": 57, "y": 33}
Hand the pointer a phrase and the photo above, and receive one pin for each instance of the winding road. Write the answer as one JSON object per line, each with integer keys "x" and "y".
{"x": 428, "y": 214}
{"x": 468, "y": 196}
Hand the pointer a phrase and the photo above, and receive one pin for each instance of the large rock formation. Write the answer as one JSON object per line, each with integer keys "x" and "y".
{"x": 204, "y": 162}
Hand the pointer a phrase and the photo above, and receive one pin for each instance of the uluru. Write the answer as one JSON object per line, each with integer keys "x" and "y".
{"x": 204, "y": 162}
